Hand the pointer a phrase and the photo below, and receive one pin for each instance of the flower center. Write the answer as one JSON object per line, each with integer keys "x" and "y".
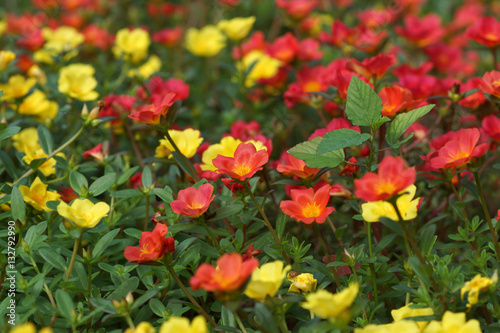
{"x": 311, "y": 210}
{"x": 241, "y": 169}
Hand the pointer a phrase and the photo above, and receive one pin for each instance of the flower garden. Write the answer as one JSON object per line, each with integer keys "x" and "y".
{"x": 249, "y": 166}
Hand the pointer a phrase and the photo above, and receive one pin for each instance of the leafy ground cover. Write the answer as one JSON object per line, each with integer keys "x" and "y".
{"x": 249, "y": 166}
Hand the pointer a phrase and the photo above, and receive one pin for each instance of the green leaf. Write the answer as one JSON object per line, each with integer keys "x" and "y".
{"x": 64, "y": 303}
{"x": 363, "y": 106}
{"x": 9, "y": 131}
{"x": 126, "y": 175}
{"x": 78, "y": 182}
{"x": 380, "y": 122}
{"x": 144, "y": 298}
{"x": 132, "y": 193}
{"x": 103, "y": 243}
{"x": 147, "y": 177}
{"x": 130, "y": 284}
{"x": 53, "y": 258}
{"x": 307, "y": 151}
{"x": 418, "y": 269}
{"x": 226, "y": 211}
{"x": 18, "y": 207}
{"x": 7, "y": 163}
{"x": 266, "y": 317}
{"x": 102, "y": 184}
{"x": 165, "y": 194}
{"x": 340, "y": 139}
{"x": 45, "y": 139}
{"x": 157, "y": 307}
{"x": 403, "y": 121}
{"x": 182, "y": 164}
{"x": 103, "y": 304}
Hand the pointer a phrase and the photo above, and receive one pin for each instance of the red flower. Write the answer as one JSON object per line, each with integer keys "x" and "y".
{"x": 98, "y": 37}
{"x": 158, "y": 88}
{"x": 295, "y": 167}
{"x": 152, "y": 113}
{"x": 308, "y": 80}
{"x": 392, "y": 178}
{"x": 256, "y": 42}
{"x": 339, "y": 190}
{"x": 309, "y": 49}
{"x": 340, "y": 34}
{"x": 308, "y": 206}
{"x": 491, "y": 126}
{"x": 297, "y": 8}
{"x": 350, "y": 169}
{"x": 284, "y": 48}
{"x": 421, "y": 31}
{"x": 394, "y": 99}
{"x": 474, "y": 100}
{"x": 372, "y": 67}
{"x": 455, "y": 149}
{"x": 193, "y": 201}
{"x": 491, "y": 83}
{"x": 229, "y": 275}
{"x": 485, "y": 31}
{"x": 168, "y": 37}
{"x": 152, "y": 245}
{"x": 341, "y": 79}
{"x": 95, "y": 152}
{"x": 335, "y": 123}
{"x": 245, "y": 163}
{"x": 67, "y": 194}
{"x": 136, "y": 180}
{"x": 250, "y": 252}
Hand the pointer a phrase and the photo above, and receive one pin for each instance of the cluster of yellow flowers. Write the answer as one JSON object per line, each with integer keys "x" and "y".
{"x": 62, "y": 41}
{"x": 174, "y": 325}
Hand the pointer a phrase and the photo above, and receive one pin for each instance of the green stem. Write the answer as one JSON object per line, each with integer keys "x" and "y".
{"x": 130, "y": 322}
{"x": 54, "y": 153}
{"x": 353, "y": 268}
{"x": 146, "y": 220}
{"x": 89, "y": 294}
{"x": 188, "y": 294}
{"x": 327, "y": 254}
{"x": 45, "y": 287}
{"x": 73, "y": 256}
{"x": 267, "y": 223}
{"x": 487, "y": 213}
{"x": 240, "y": 324}
{"x": 210, "y": 233}
{"x": 372, "y": 266}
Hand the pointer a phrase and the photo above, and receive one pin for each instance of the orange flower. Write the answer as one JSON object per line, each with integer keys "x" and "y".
{"x": 485, "y": 31}
{"x": 456, "y": 149}
{"x": 229, "y": 274}
{"x": 372, "y": 67}
{"x": 152, "y": 245}
{"x": 394, "y": 99}
{"x": 392, "y": 178}
{"x": 308, "y": 206}
{"x": 491, "y": 126}
{"x": 152, "y": 113}
{"x": 491, "y": 83}
{"x": 193, "y": 201}
{"x": 295, "y": 167}
{"x": 245, "y": 163}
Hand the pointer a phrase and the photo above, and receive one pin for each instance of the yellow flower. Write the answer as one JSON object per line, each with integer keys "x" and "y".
{"x": 143, "y": 327}
{"x": 37, "y": 195}
{"x": 226, "y": 147}
{"x": 266, "y": 280}
{"x": 373, "y": 211}
{"x": 37, "y": 106}
{"x": 26, "y": 140}
{"x": 206, "y": 42}
{"x": 304, "y": 282}
{"x": 264, "y": 67}
{"x": 237, "y": 28}
{"x": 62, "y": 39}
{"x": 38, "y": 74}
{"x": 3, "y": 27}
{"x": 17, "y": 87}
{"x": 147, "y": 69}
{"x": 77, "y": 81}
{"x": 132, "y": 45}
{"x": 407, "y": 311}
{"x": 187, "y": 141}
{"x": 453, "y": 323}
{"x": 180, "y": 324}
{"x": 474, "y": 286}
{"x": 402, "y": 326}
{"x": 29, "y": 328}
{"x": 48, "y": 167}
{"x": 327, "y": 305}
{"x": 83, "y": 212}
{"x": 6, "y": 58}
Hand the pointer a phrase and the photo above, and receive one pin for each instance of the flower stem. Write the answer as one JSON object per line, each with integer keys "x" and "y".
{"x": 267, "y": 223}
{"x": 327, "y": 254}
{"x": 54, "y": 153}
{"x": 240, "y": 324}
{"x": 73, "y": 256}
{"x": 146, "y": 220}
{"x": 372, "y": 266}
{"x": 353, "y": 268}
{"x": 188, "y": 294}
{"x": 487, "y": 213}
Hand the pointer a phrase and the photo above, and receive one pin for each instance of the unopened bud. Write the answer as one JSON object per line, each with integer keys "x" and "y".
{"x": 25, "y": 246}
{"x": 130, "y": 298}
